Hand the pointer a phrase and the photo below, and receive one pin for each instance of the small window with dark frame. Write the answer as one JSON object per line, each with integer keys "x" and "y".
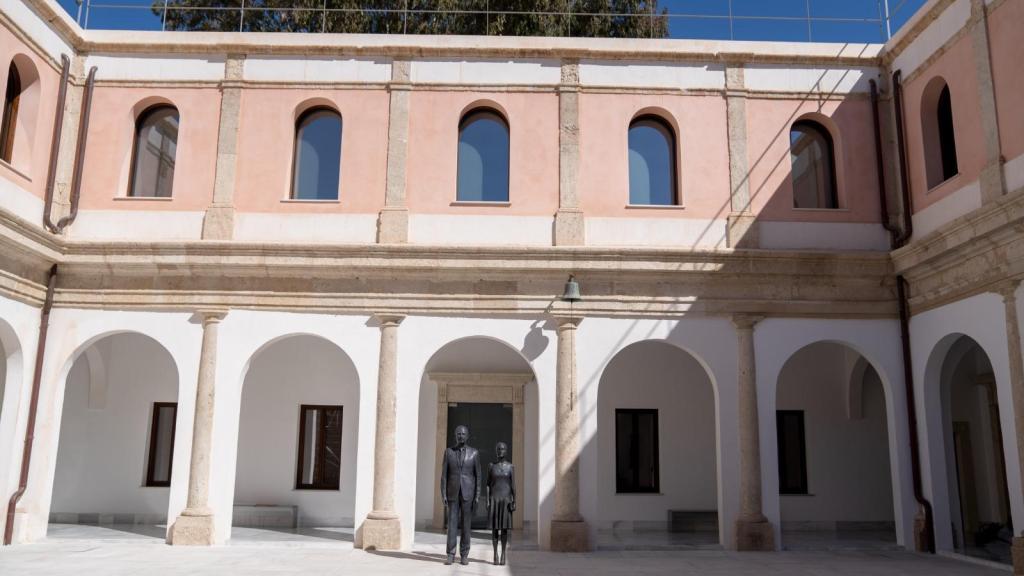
{"x": 636, "y": 450}
{"x": 792, "y": 452}
{"x": 154, "y": 152}
{"x": 161, "y": 444}
{"x": 12, "y": 100}
{"x": 812, "y": 157}
{"x": 319, "y": 466}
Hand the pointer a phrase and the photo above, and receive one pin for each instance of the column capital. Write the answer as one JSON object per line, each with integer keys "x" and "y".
{"x": 1008, "y": 289}
{"x": 746, "y": 321}
{"x": 567, "y": 321}
{"x": 211, "y": 315}
{"x": 389, "y": 320}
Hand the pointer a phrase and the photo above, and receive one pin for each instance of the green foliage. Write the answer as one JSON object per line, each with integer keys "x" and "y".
{"x": 585, "y": 18}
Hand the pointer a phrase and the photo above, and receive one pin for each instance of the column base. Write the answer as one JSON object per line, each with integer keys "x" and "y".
{"x": 569, "y": 227}
{"x": 569, "y": 536}
{"x": 924, "y": 540}
{"x": 755, "y": 536}
{"x": 192, "y": 531}
{"x": 1017, "y": 550}
{"x": 393, "y": 226}
{"x": 219, "y": 222}
{"x": 742, "y": 231}
{"x": 382, "y": 534}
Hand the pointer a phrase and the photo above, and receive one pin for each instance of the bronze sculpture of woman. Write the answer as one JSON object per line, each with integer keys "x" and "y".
{"x": 501, "y": 500}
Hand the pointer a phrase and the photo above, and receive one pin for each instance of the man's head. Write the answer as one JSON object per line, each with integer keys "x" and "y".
{"x": 461, "y": 435}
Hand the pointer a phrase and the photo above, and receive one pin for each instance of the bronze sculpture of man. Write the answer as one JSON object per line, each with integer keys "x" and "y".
{"x": 460, "y": 492}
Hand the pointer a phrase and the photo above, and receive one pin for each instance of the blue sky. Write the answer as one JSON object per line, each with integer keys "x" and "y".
{"x": 781, "y": 20}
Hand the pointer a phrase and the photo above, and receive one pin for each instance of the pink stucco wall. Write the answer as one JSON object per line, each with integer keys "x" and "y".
{"x": 849, "y": 122}
{"x": 266, "y": 145}
{"x": 702, "y": 155}
{"x": 32, "y": 139}
{"x": 105, "y": 177}
{"x": 956, "y": 66}
{"x": 1007, "y": 52}
{"x": 433, "y": 151}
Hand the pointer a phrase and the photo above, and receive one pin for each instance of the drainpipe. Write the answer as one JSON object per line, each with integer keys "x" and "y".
{"x": 37, "y": 377}
{"x": 925, "y": 530}
{"x": 83, "y": 131}
{"x": 58, "y": 128}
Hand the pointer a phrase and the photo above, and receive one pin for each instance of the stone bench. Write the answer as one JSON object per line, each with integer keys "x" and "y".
{"x": 265, "y": 516}
{"x": 692, "y": 521}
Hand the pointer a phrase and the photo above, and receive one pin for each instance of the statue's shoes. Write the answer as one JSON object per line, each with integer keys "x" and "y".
{"x": 464, "y": 561}
{"x": 448, "y": 561}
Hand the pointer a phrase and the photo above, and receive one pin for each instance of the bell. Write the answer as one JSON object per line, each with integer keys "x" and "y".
{"x": 572, "y": 290}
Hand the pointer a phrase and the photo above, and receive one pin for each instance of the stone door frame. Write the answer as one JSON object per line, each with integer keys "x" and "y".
{"x": 482, "y": 388}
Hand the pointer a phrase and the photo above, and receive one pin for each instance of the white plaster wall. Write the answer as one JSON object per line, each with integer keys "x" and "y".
{"x": 37, "y": 29}
{"x": 242, "y": 334}
{"x": 476, "y": 230}
{"x": 156, "y": 67}
{"x": 19, "y": 325}
{"x": 822, "y": 236}
{"x": 71, "y": 332}
{"x": 20, "y": 202}
{"x": 848, "y": 474}
{"x": 479, "y": 355}
{"x": 315, "y": 69}
{"x": 476, "y": 71}
{"x": 652, "y": 75}
{"x": 712, "y": 342}
{"x": 660, "y": 376}
{"x": 963, "y": 201}
{"x": 101, "y": 460}
{"x": 271, "y": 227}
{"x": 932, "y": 334}
{"x": 288, "y": 373}
{"x": 137, "y": 225}
{"x": 933, "y": 37}
{"x": 418, "y": 339}
{"x": 776, "y": 340}
{"x": 681, "y": 232}
{"x": 789, "y": 78}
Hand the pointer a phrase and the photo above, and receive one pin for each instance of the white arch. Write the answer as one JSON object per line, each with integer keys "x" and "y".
{"x": 10, "y": 393}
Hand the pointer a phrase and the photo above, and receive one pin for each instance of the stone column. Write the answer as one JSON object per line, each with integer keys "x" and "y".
{"x": 742, "y": 228}
{"x": 195, "y": 525}
{"x": 393, "y": 221}
{"x": 753, "y": 531}
{"x": 1016, "y": 356}
{"x": 569, "y": 532}
{"x": 219, "y": 221}
{"x": 569, "y": 225}
{"x": 993, "y": 178}
{"x": 382, "y": 529}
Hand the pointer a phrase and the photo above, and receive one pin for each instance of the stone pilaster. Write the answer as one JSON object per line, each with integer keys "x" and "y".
{"x": 382, "y": 529}
{"x": 753, "y": 531}
{"x": 195, "y": 525}
{"x": 68, "y": 140}
{"x": 993, "y": 178}
{"x": 393, "y": 221}
{"x": 569, "y": 532}
{"x": 1016, "y": 357}
{"x": 569, "y": 224}
{"x": 742, "y": 227}
{"x": 219, "y": 221}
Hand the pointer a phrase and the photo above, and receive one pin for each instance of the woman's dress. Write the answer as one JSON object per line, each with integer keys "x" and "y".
{"x": 501, "y": 494}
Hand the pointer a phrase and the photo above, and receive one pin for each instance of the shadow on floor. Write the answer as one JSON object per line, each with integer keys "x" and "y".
{"x": 243, "y": 535}
{"x": 155, "y": 532}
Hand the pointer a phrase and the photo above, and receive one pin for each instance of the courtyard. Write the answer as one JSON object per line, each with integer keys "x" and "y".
{"x": 114, "y": 550}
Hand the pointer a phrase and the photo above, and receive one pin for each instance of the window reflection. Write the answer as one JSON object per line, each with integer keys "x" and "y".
{"x": 317, "y": 155}
{"x": 156, "y": 144}
{"x": 813, "y": 173}
{"x": 652, "y": 162}
{"x": 483, "y": 158}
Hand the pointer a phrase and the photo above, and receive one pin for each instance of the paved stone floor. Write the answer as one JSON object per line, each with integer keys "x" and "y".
{"x": 117, "y": 551}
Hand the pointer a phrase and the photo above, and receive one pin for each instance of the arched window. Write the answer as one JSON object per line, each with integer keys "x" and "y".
{"x": 483, "y": 157}
{"x": 317, "y": 155}
{"x": 652, "y": 162}
{"x": 12, "y": 98}
{"x": 814, "y": 173}
{"x": 156, "y": 143}
{"x": 937, "y": 131}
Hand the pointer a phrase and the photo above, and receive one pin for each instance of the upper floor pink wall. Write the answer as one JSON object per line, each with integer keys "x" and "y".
{"x": 266, "y": 146}
{"x": 850, "y": 124}
{"x": 702, "y": 153}
{"x": 1008, "y": 73}
{"x": 956, "y": 66}
{"x": 433, "y": 150}
{"x": 106, "y": 173}
{"x": 34, "y": 130}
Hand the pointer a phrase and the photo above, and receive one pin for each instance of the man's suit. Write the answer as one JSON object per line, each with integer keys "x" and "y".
{"x": 461, "y": 479}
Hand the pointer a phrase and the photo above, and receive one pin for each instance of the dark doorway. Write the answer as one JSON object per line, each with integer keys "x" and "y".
{"x": 488, "y": 424}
